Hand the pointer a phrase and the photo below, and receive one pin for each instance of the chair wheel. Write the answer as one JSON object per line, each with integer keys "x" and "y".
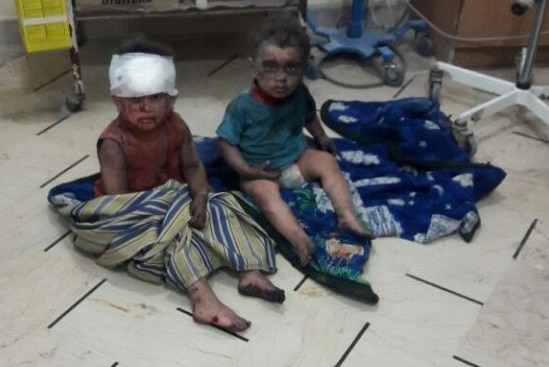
{"x": 424, "y": 45}
{"x": 471, "y": 145}
{"x": 393, "y": 76}
{"x": 435, "y": 83}
{"x": 74, "y": 103}
{"x": 313, "y": 70}
{"x": 434, "y": 91}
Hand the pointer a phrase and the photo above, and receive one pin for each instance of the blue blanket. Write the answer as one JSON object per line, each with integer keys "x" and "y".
{"x": 414, "y": 179}
{"x": 408, "y": 176}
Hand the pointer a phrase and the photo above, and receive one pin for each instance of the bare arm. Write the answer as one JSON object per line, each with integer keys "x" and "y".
{"x": 195, "y": 176}
{"x": 314, "y": 127}
{"x": 317, "y": 131}
{"x": 236, "y": 161}
{"x": 193, "y": 170}
{"x": 113, "y": 167}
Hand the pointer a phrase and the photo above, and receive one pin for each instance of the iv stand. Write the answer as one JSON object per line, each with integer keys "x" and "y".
{"x": 509, "y": 94}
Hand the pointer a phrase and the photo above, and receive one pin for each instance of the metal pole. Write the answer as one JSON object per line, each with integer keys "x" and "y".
{"x": 524, "y": 80}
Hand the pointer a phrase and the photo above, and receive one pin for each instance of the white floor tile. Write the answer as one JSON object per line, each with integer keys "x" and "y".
{"x": 512, "y": 327}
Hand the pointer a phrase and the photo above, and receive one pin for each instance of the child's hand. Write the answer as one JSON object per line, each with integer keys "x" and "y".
{"x": 198, "y": 212}
{"x": 260, "y": 172}
{"x": 326, "y": 144}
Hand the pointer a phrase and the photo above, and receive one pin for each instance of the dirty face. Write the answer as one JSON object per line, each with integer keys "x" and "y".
{"x": 278, "y": 71}
{"x": 145, "y": 113}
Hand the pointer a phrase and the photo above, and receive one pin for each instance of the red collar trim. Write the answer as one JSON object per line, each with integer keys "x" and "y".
{"x": 261, "y": 96}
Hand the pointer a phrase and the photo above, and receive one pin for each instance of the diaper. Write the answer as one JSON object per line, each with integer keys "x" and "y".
{"x": 291, "y": 177}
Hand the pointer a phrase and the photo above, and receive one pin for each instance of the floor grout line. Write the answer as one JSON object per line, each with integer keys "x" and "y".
{"x": 60, "y": 317}
{"x": 445, "y": 289}
{"x": 64, "y": 171}
{"x": 350, "y": 348}
{"x": 57, "y": 240}
{"x": 465, "y": 361}
{"x": 531, "y": 137}
{"x": 52, "y": 80}
{"x": 236, "y": 335}
{"x": 525, "y": 238}
{"x": 301, "y": 283}
{"x": 404, "y": 86}
{"x": 223, "y": 64}
{"x": 54, "y": 124}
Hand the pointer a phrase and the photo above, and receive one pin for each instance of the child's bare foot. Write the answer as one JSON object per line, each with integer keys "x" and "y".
{"x": 353, "y": 225}
{"x": 304, "y": 251}
{"x": 220, "y": 315}
{"x": 207, "y": 309}
{"x": 254, "y": 284}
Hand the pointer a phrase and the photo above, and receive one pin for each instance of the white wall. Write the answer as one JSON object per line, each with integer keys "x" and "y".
{"x": 7, "y": 9}
{"x": 9, "y": 29}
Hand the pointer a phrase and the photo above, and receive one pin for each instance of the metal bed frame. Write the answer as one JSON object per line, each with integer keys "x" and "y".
{"x": 74, "y": 103}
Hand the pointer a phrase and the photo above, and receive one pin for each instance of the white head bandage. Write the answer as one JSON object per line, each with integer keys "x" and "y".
{"x": 139, "y": 74}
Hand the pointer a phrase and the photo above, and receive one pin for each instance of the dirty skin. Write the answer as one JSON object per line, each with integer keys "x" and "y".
{"x": 254, "y": 284}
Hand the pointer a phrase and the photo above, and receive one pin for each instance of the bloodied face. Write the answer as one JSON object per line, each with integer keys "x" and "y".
{"x": 145, "y": 113}
{"x": 278, "y": 71}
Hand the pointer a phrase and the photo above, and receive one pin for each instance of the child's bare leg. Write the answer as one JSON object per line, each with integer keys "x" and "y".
{"x": 266, "y": 194}
{"x": 315, "y": 164}
{"x": 207, "y": 309}
{"x": 254, "y": 284}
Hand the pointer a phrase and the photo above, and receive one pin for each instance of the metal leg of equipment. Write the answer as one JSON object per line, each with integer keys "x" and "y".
{"x": 509, "y": 94}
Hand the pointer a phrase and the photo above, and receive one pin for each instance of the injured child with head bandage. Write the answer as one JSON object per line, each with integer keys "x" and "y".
{"x": 152, "y": 178}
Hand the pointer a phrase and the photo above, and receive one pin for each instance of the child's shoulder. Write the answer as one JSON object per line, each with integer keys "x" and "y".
{"x": 241, "y": 101}
{"x": 175, "y": 117}
{"x": 243, "y": 96}
{"x": 175, "y": 121}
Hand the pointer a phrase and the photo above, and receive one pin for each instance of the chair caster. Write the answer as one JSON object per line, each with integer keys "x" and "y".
{"x": 74, "y": 103}
{"x": 313, "y": 69}
{"x": 393, "y": 75}
{"x": 471, "y": 145}
{"x": 435, "y": 83}
{"x": 424, "y": 45}
{"x": 464, "y": 137}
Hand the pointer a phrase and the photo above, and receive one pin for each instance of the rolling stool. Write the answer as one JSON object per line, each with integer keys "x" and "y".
{"x": 355, "y": 39}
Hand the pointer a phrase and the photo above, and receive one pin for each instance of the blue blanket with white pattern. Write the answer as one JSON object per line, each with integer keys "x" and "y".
{"x": 408, "y": 176}
{"x": 413, "y": 178}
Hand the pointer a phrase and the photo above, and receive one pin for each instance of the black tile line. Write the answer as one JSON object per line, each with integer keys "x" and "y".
{"x": 301, "y": 283}
{"x": 52, "y": 80}
{"x": 77, "y": 303}
{"x": 57, "y": 240}
{"x": 65, "y": 170}
{"x": 223, "y": 64}
{"x": 404, "y": 86}
{"x": 525, "y": 238}
{"x": 445, "y": 289}
{"x": 217, "y": 327}
{"x": 54, "y": 124}
{"x": 114, "y": 364}
{"x": 357, "y": 338}
{"x": 466, "y": 362}
{"x": 531, "y": 137}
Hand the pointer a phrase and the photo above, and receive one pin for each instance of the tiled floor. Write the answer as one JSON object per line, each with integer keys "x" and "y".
{"x": 449, "y": 303}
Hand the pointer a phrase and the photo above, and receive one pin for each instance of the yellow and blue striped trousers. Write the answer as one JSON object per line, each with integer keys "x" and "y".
{"x": 149, "y": 233}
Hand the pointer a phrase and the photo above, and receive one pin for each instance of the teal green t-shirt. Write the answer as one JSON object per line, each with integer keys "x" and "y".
{"x": 264, "y": 132}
